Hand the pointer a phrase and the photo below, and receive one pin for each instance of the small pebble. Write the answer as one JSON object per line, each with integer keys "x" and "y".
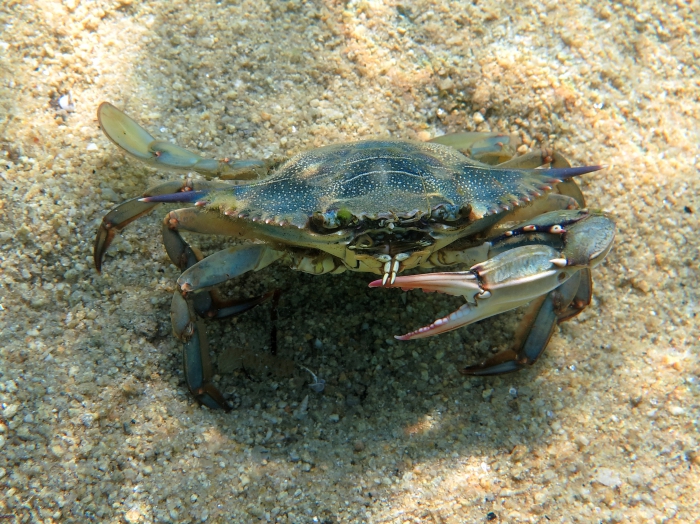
{"x": 301, "y": 412}
{"x": 581, "y": 441}
{"x": 10, "y": 411}
{"x": 65, "y": 103}
{"x": 693, "y": 457}
{"x": 608, "y": 477}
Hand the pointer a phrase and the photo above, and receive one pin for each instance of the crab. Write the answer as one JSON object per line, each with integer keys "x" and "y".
{"x": 505, "y": 230}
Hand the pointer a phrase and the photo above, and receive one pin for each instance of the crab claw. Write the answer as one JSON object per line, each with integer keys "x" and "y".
{"x": 504, "y": 282}
{"x": 463, "y": 283}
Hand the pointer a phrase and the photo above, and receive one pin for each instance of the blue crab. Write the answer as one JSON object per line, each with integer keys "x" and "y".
{"x": 519, "y": 224}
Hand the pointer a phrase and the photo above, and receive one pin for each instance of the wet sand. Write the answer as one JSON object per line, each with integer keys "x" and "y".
{"x": 96, "y": 422}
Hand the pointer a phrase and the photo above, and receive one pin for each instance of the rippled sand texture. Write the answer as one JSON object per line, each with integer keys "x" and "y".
{"x": 96, "y": 421}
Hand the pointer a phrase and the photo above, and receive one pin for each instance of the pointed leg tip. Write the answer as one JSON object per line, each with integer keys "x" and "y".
{"x": 98, "y": 259}
{"x": 477, "y": 370}
{"x": 493, "y": 366}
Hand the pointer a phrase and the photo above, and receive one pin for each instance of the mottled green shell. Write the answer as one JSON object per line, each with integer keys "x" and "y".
{"x": 377, "y": 179}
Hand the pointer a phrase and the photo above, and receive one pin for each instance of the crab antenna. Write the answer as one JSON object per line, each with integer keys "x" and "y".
{"x": 183, "y": 196}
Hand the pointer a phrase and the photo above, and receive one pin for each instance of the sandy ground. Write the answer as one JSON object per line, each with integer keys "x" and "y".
{"x": 96, "y": 422}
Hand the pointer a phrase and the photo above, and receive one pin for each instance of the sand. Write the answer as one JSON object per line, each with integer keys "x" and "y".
{"x": 96, "y": 423}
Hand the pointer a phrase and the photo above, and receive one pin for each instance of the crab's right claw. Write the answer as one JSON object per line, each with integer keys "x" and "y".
{"x": 537, "y": 326}
{"x": 587, "y": 244}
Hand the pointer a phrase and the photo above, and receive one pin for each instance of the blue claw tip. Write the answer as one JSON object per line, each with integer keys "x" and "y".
{"x": 565, "y": 173}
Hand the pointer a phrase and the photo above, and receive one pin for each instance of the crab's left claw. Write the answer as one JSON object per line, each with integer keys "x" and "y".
{"x": 515, "y": 277}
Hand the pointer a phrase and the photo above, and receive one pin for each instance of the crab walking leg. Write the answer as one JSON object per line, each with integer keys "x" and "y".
{"x": 534, "y": 332}
{"x": 489, "y": 148}
{"x": 184, "y": 256}
{"x": 581, "y": 299}
{"x": 227, "y": 264}
{"x": 126, "y": 212}
{"x": 220, "y": 266}
{"x": 137, "y": 142}
{"x": 195, "y": 347}
{"x": 186, "y": 326}
{"x": 235, "y": 261}
{"x": 556, "y": 160}
{"x": 195, "y": 353}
